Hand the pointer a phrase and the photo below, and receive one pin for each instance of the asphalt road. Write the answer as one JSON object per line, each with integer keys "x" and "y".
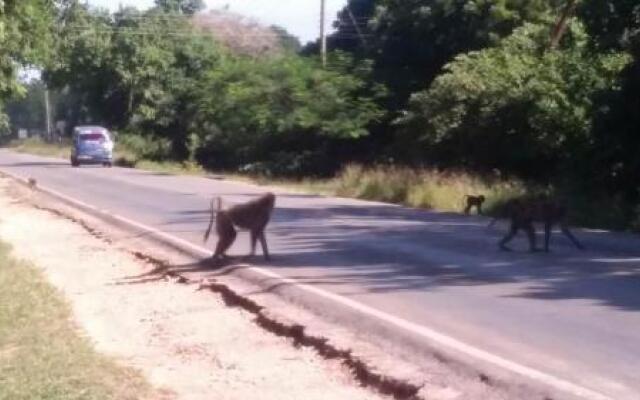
{"x": 572, "y": 314}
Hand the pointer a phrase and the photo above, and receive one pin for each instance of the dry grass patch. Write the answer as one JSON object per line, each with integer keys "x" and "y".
{"x": 39, "y": 147}
{"x": 422, "y": 188}
{"x": 42, "y": 355}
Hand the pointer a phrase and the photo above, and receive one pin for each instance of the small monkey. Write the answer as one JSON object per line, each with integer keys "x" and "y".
{"x": 253, "y": 216}
{"x": 32, "y": 183}
{"x": 474, "y": 201}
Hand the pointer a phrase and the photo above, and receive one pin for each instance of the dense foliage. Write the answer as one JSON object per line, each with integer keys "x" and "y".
{"x": 514, "y": 107}
{"x": 411, "y": 40}
{"x": 453, "y": 84}
{"x": 284, "y": 111}
{"x": 28, "y": 112}
{"x": 157, "y": 74}
{"x": 617, "y": 121}
{"x": 24, "y": 40}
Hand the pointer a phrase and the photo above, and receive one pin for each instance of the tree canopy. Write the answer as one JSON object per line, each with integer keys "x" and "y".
{"x": 25, "y": 27}
{"x": 187, "y": 7}
{"x": 514, "y": 105}
{"x": 411, "y": 40}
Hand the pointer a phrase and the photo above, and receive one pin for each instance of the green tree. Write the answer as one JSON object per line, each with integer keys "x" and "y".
{"x": 411, "y": 40}
{"x": 516, "y": 107}
{"x": 283, "y": 111}
{"x": 82, "y": 52}
{"x": 611, "y": 164}
{"x": 613, "y": 155}
{"x": 288, "y": 41}
{"x": 353, "y": 27}
{"x": 28, "y": 112}
{"x": 25, "y": 39}
{"x": 156, "y": 74}
{"x": 128, "y": 69}
{"x": 187, "y": 7}
{"x": 611, "y": 23}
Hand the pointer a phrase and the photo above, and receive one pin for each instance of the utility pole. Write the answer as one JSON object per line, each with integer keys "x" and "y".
{"x": 47, "y": 113}
{"x": 323, "y": 35}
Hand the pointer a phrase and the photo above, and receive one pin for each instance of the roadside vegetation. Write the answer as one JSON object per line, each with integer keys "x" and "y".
{"x": 42, "y": 354}
{"x": 426, "y": 188}
{"x": 39, "y": 147}
{"x": 421, "y": 188}
{"x": 420, "y": 103}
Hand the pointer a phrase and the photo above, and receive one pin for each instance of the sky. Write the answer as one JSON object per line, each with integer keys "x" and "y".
{"x": 299, "y": 17}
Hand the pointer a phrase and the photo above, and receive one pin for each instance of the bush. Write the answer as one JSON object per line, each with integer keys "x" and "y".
{"x": 423, "y": 188}
{"x": 278, "y": 115}
{"x": 141, "y": 147}
{"x": 517, "y": 107}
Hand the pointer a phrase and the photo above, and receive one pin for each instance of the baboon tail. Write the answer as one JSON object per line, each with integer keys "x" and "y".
{"x": 212, "y": 217}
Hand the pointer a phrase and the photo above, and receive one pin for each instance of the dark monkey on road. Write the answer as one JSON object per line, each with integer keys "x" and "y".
{"x": 253, "y": 216}
{"x": 523, "y": 212}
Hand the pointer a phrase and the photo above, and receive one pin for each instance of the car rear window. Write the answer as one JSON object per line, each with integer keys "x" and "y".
{"x": 90, "y": 137}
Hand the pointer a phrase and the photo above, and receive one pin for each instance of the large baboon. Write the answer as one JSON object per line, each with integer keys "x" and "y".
{"x": 253, "y": 216}
{"x": 523, "y": 212}
{"x": 473, "y": 201}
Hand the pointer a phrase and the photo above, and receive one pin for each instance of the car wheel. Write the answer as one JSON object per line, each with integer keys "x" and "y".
{"x": 74, "y": 163}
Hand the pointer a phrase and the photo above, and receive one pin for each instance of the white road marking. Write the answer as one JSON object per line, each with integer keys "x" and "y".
{"x": 401, "y": 323}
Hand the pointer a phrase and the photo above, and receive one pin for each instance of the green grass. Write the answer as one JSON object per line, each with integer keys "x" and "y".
{"x": 422, "y": 188}
{"x": 319, "y": 186}
{"x": 42, "y": 355}
{"x": 171, "y": 167}
{"x": 39, "y": 147}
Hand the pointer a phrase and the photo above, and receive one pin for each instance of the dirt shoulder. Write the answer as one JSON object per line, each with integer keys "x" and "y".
{"x": 184, "y": 340}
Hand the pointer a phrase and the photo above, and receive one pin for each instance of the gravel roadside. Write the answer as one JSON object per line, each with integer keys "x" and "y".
{"x": 183, "y": 340}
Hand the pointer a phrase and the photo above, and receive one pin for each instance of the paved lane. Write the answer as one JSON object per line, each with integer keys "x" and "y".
{"x": 575, "y": 315}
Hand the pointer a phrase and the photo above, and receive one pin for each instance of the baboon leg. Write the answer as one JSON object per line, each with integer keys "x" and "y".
{"x": 259, "y": 235}
{"x": 479, "y": 208}
{"x": 265, "y": 248}
{"x": 547, "y": 235}
{"x": 255, "y": 234}
{"x": 467, "y": 209}
{"x": 567, "y": 232}
{"x": 513, "y": 230}
{"x": 223, "y": 245}
{"x": 226, "y": 235}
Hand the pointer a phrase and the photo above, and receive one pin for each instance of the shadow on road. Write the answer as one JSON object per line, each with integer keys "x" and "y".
{"x": 378, "y": 248}
{"x": 47, "y": 164}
